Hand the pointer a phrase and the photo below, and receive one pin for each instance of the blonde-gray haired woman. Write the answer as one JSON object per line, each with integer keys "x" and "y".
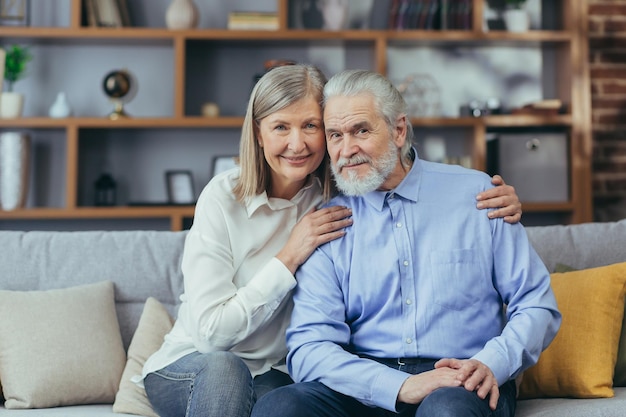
{"x": 253, "y": 226}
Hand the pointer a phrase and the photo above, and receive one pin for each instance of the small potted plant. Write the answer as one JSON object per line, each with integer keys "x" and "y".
{"x": 16, "y": 58}
{"x": 515, "y": 16}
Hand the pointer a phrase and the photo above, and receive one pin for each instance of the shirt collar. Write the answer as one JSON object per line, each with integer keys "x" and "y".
{"x": 407, "y": 189}
{"x": 254, "y": 203}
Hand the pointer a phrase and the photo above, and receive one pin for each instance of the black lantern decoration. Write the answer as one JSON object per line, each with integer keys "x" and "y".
{"x": 105, "y": 190}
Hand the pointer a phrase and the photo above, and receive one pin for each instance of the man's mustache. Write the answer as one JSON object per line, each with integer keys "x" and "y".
{"x": 354, "y": 160}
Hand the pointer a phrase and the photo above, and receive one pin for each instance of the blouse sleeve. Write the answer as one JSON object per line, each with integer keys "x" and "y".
{"x": 220, "y": 313}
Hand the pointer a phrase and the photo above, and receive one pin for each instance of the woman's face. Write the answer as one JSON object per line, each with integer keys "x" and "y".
{"x": 293, "y": 144}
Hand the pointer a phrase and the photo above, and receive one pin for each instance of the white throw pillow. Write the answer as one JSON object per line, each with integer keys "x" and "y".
{"x": 60, "y": 347}
{"x": 154, "y": 324}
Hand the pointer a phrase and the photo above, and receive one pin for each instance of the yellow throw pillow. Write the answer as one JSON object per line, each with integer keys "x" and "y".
{"x": 580, "y": 360}
{"x": 154, "y": 324}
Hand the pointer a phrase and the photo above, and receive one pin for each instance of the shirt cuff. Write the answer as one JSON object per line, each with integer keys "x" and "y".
{"x": 387, "y": 387}
{"x": 498, "y": 365}
{"x": 273, "y": 282}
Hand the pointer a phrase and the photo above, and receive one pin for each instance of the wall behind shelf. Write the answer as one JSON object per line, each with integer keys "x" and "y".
{"x": 462, "y": 74}
{"x": 79, "y": 70}
{"x": 138, "y": 158}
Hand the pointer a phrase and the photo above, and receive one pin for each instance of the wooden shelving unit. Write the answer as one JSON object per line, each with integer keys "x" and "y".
{"x": 569, "y": 42}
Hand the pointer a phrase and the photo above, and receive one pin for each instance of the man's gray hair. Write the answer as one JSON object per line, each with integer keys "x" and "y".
{"x": 388, "y": 101}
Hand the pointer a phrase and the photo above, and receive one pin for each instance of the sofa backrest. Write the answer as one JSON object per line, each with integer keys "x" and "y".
{"x": 141, "y": 264}
{"x": 145, "y": 264}
{"x": 580, "y": 246}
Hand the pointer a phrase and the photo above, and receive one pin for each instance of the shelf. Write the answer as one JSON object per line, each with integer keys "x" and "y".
{"x": 414, "y": 36}
{"x": 131, "y": 122}
{"x": 98, "y": 212}
{"x": 184, "y": 69}
{"x": 186, "y": 211}
{"x": 236, "y": 122}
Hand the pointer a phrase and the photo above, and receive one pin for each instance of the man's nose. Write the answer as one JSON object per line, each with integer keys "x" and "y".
{"x": 349, "y": 146}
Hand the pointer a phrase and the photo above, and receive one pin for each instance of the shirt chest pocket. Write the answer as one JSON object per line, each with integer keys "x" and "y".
{"x": 458, "y": 280}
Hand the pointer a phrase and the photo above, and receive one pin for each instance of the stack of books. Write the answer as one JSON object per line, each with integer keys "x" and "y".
{"x": 252, "y": 21}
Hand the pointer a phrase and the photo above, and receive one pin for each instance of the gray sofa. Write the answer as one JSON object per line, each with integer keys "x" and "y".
{"x": 144, "y": 264}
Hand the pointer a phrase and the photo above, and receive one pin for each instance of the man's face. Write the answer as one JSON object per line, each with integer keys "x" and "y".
{"x": 364, "y": 151}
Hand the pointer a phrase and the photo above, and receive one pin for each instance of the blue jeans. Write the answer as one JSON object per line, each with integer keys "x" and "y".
{"x": 313, "y": 399}
{"x": 207, "y": 385}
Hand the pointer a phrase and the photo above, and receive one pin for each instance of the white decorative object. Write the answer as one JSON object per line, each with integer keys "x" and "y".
{"x": 516, "y": 20}
{"x": 11, "y": 105}
{"x": 14, "y": 169}
{"x": 61, "y": 107}
{"x": 335, "y": 14}
{"x": 181, "y": 14}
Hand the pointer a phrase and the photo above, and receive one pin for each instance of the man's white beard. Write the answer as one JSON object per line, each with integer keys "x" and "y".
{"x": 373, "y": 180}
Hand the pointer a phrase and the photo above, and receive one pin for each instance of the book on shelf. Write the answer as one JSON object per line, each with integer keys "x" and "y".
{"x": 456, "y": 14}
{"x": 253, "y": 21}
{"x": 415, "y": 14}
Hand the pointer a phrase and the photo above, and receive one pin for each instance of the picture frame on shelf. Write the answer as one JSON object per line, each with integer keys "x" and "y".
{"x": 14, "y": 12}
{"x": 224, "y": 163}
{"x": 179, "y": 185}
{"x": 104, "y": 13}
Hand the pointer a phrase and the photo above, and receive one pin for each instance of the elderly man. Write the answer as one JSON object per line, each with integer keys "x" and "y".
{"x": 404, "y": 314}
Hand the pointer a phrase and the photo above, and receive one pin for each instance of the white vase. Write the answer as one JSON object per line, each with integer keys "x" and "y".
{"x": 181, "y": 14}
{"x": 11, "y": 105}
{"x": 516, "y": 20}
{"x": 14, "y": 169}
{"x": 335, "y": 14}
{"x": 61, "y": 107}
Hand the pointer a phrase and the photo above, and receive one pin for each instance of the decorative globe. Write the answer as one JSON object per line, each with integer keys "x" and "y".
{"x": 121, "y": 87}
{"x": 116, "y": 84}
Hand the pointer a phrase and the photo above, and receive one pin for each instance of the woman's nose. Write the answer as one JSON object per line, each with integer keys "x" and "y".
{"x": 296, "y": 141}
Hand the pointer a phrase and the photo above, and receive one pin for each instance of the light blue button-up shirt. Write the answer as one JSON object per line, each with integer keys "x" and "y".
{"x": 420, "y": 273}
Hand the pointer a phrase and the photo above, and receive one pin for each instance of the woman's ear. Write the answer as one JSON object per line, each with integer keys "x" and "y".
{"x": 257, "y": 135}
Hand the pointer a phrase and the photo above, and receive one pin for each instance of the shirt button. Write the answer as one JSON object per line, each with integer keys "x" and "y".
{"x": 409, "y": 341}
{"x": 405, "y": 263}
{"x": 398, "y": 225}
{"x": 408, "y": 301}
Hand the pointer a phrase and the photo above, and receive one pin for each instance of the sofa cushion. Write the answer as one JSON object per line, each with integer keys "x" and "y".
{"x": 572, "y": 407}
{"x": 60, "y": 347}
{"x": 154, "y": 324}
{"x": 580, "y": 361}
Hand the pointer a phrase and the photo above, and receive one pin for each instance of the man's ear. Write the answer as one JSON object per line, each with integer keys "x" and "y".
{"x": 400, "y": 131}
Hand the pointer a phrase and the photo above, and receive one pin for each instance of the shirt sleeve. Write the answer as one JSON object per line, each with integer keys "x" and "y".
{"x": 533, "y": 318}
{"x": 222, "y": 314}
{"x": 317, "y": 337}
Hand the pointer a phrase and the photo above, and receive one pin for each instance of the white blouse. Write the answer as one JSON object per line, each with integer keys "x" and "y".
{"x": 237, "y": 295}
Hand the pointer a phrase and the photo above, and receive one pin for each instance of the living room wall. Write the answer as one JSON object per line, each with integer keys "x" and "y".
{"x": 607, "y": 44}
